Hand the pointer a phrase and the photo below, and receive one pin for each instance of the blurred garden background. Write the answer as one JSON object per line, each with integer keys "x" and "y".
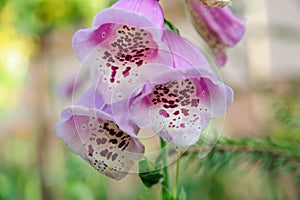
{"x": 257, "y": 157}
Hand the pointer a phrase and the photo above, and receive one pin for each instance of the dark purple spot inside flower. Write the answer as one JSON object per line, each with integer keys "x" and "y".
{"x": 195, "y": 102}
{"x": 104, "y": 152}
{"x": 128, "y": 57}
{"x": 101, "y": 141}
{"x": 125, "y": 146}
{"x": 109, "y": 155}
{"x": 126, "y": 71}
{"x": 176, "y": 112}
{"x": 184, "y": 111}
{"x": 114, "y": 157}
{"x": 91, "y": 150}
{"x": 139, "y": 63}
{"x": 119, "y": 134}
{"x": 164, "y": 113}
{"x": 122, "y": 144}
{"x": 113, "y": 141}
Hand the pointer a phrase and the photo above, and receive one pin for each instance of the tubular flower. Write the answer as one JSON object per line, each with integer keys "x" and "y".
{"x": 124, "y": 38}
{"x": 89, "y": 130}
{"x": 219, "y": 27}
{"x": 180, "y": 107}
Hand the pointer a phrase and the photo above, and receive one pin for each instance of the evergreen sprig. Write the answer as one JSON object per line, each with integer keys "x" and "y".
{"x": 273, "y": 157}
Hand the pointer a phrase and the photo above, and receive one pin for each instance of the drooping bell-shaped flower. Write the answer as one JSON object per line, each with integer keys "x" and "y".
{"x": 180, "y": 106}
{"x": 123, "y": 40}
{"x": 90, "y": 131}
{"x": 219, "y": 27}
{"x": 108, "y": 22}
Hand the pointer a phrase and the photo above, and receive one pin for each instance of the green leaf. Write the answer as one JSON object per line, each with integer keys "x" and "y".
{"x": 171, "y": 26}
{"x": 148, "y": 174}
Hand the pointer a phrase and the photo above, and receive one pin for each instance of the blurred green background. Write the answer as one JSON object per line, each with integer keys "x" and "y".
{"x": 259, "y": 161}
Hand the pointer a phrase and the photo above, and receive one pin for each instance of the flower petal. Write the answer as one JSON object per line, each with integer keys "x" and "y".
{"x": 185, "y": 54}
{"x": 96, "y": 138}
{"x": 188, "y": 64}
{"x": 224, "y": 23}
{"x": 188, "y": 58}
{"x": 219, "y": 27}
{"x": 118, "y": 65}
{"x": 149, "y": 8}
{"x": 84, "y": 40}
{"x": 179, "y": 110}
{"x": 92, "y": 99}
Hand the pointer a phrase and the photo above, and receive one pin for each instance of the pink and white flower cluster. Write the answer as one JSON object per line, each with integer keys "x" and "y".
{"x": 144, "y": 76}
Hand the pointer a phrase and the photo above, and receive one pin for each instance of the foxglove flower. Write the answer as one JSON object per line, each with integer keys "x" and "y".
{"x": 180, "y": 106}
{"x": 123, "y": 44}
{"x": 89, "y": 130}
{"x": 219, "y": 27}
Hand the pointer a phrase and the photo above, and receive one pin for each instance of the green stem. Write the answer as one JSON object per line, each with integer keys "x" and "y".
{"x": 176, "y": 179}
{"x": 166, "y": 186}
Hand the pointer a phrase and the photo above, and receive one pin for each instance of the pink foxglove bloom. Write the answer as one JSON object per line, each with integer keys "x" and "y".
{"x": 122, "y": 46}
{"x": 219, "y": 27}
{"x": 180, "y": 106}
{"x": 89, "y": 130}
